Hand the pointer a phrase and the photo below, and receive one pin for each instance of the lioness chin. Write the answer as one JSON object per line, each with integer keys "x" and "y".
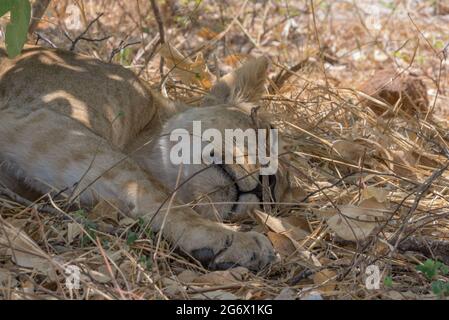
{"x": 70, "y": 122}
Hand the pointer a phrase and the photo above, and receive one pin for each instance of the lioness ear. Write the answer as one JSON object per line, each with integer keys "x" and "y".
{"x": 244, "y": 85}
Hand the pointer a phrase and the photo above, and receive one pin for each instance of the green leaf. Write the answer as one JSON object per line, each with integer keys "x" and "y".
{"x": 428, "y": 268}
{"x": 437, "y": 287}
{"x": 90, "y": 225}
{"x": 439, "y": 44}
{"x": 388, "y": 282}
{"x": 141, "y": 222}
{"x": 80, "y": 213}
{"x": 146, "y": 261}
{"x": 125, "y": 57}
{"x": 17, "y": 29}
{"x": 431, "y": 268}
{"x": 132, "y": 237}
{"x": 86, "y": 239}
{"x": 5, "y": 6}
{"x": 444, "y": 269}
{"x": 440, "y": 288}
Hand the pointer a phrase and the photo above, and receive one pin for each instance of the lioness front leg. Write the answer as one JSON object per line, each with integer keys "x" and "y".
{"x": 78, "y": 157}
{"x": 215, "y": 245}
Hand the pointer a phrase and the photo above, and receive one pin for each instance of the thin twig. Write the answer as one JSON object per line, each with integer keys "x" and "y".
{"x": 122, "y": 46}
{"x": 81, "y": 36}
{"x": 160, "y": 25}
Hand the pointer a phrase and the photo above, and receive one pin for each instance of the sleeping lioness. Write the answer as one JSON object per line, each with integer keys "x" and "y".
{"x": 94, "y": 130}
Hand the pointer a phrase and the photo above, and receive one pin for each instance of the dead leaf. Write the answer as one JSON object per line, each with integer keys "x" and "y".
{"x": 18, "y": 223}
{"x": 281, "y": 244}
{"x": 321, "y": 278}
{"x": 230, "y": 276}
{"x": 380, "y": 195}
{"x": 128, "y": 268}
{"x": 234, "y": 60}
{"x": 355, "y": 223}
{"x": 23, "y": 250}
{"x": 349, "y": 150}
{"x": 281, "y": 225}
{"x": 101, "y": 277}
{"x": 390, "y": 87}
{"x": 325, "y": 213}
{"x": 73, "y": 230}
{"x": 126, "y": 222}
{"x": 187, "y": 276}
{"x": 28, "y": 287}
{"x": 287, "y": 88}
{"x": 395, "y": 295}
{"x": 298, "y": 221}
{"x": 171, "y": 287}
{"x": 214, "y": 295}
{"x": 403, "y": 163}
{"x": 207, "y": 33}
{"x": 312, "y": 295}
{"x": 286, "y": 294}
{"x": 283, "y": 228}
{"x": 104, "y": 210}
{"x": 7, "y": 279}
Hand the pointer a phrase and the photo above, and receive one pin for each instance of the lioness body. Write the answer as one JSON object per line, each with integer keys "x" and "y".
{"x": 69, "y": 122}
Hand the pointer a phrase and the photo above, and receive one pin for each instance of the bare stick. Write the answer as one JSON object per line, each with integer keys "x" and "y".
{"x": 82, "y": 34}
{"x": 160, "y": 25}
{"x": 25, "y": 202}
{"x": 123, "y": 45}
{"x": 40, "y": 36}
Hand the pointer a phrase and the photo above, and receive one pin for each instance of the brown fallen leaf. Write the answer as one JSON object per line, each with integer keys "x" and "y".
{"x": 286, "y": 294}
{"x": 230, "y": 276}
{"x": 281, "y": 225}
{"x": 298, "y": 221}
{"x": 234, "y": 60}
{"x": 171, "y": 287}
{"x": 391, "y": 87}
{"x": 403, "y": 163}
{"x": 349, "y": 150}
{"x": 325, "y": 213}
{"x": 321, "y": 277}
{"x": 380, "y": 195}
{"x": 355, "y": 223}
{"x": 23, "y": 250}
{"x": 7, "y": 279}
{"x": 214, "y": 295}
{"x": 74, "y": 229}
{"x": 104, "y": 210}
{"x": 394, "y": 295}
{"x": 281, "y": 244}
{"x": 277, "y": 225}
{"x": 207, "y": 33}
{"x": 28, "y": 287}
{"x": 187, "y": 276}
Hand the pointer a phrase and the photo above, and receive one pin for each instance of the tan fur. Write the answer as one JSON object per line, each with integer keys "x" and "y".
{"x": 72, "y": 122}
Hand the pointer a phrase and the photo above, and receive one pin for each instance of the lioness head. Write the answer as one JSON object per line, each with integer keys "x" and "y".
{"x": 211, "y": 155}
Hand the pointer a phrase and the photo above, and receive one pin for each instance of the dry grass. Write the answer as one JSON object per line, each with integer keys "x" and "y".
{"x": 399, "y": 160}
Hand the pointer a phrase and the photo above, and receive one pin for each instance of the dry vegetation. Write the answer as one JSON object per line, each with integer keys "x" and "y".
{"x": 374, "y": 189}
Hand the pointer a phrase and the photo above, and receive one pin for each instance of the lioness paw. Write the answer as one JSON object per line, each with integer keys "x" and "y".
{"x": 230, "y": 249}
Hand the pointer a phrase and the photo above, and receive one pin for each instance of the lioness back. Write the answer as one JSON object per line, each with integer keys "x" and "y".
{"x": 106, "y": 98}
